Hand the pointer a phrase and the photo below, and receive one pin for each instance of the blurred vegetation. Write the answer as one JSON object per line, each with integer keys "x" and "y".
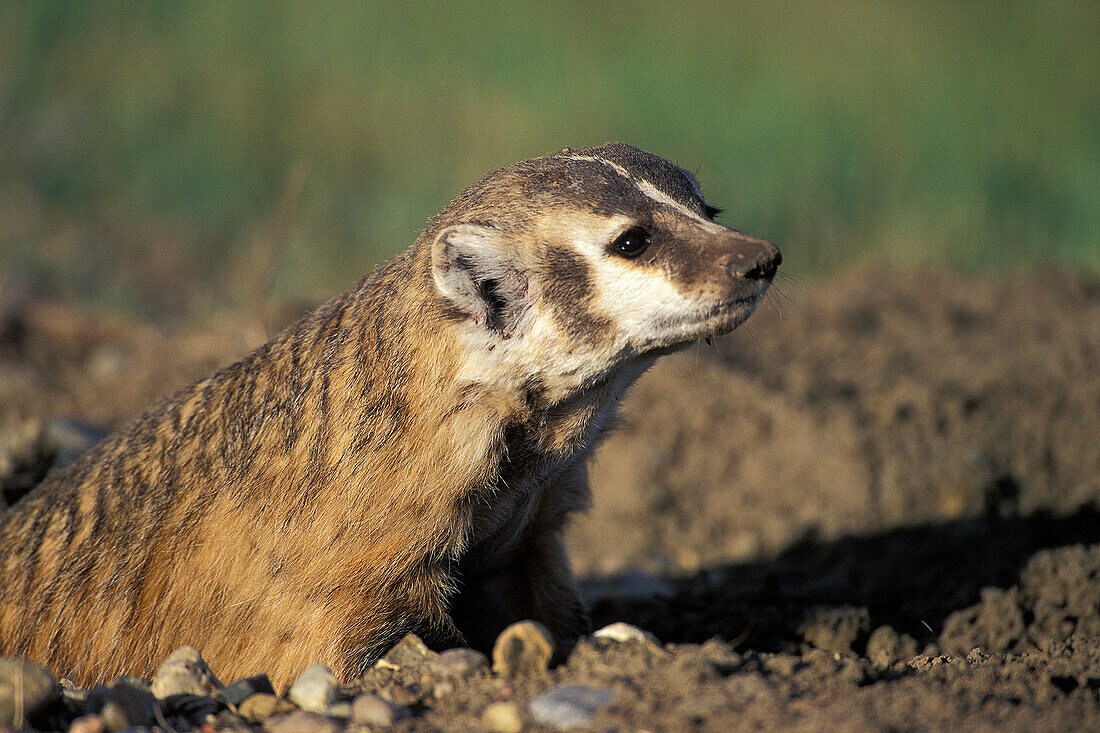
{"x": 169, "y": 156}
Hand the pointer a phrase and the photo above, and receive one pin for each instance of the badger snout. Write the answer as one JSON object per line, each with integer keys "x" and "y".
{"x": 753, "y": 259}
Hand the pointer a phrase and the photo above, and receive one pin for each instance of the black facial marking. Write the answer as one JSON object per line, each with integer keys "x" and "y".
{"x": 567, "y": 284}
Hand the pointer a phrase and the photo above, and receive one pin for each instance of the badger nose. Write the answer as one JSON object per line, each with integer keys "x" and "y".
{"x": 755, "y": 259}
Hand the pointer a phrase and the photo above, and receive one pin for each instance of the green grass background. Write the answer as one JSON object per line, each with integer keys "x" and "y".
{"x": 164, "y": 157}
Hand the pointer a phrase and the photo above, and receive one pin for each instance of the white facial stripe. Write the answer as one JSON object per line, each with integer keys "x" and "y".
{"x": 613, "y": 166}
{"x": 660, "y": 196}
{"x": 652, "y": 192}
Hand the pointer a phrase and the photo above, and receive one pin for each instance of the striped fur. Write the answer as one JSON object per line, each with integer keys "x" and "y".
{"x": 402, "y": 459}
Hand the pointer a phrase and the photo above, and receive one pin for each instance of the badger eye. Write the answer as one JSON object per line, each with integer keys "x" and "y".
{"x": 631, "y": 243}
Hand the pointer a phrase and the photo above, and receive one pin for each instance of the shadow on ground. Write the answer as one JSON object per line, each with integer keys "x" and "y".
{"x": 834, "y": 593}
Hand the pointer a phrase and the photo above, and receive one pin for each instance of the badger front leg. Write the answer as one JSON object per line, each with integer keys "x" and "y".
{"x": 537, "y": 584}
{"x": 556, "y": 600}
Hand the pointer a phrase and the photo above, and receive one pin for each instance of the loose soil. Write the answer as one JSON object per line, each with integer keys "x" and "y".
{"x": 876, "y": 507}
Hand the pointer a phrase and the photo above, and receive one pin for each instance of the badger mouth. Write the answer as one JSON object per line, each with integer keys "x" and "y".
{"x": 717, "y": 319}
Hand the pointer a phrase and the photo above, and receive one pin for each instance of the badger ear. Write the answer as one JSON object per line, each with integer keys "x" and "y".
{"x": 474, "y": 267}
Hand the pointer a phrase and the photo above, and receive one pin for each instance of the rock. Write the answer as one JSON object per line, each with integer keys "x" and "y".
{"x": 71, "y": 695}
{"x": 24, "y": 689}
{"x": 125, "y": 704}
{"x": 523, "y": 649}
{"x": 459, "y": 663}
{"x": 399, "y": 694}
{"x": 368, "y": 709}
{"x": 502, "y": 717}
{"x": 315, "y": 689}
{"x": 886, "y": 647}
{"x": 195, "y": 708}
{"x": 409, "y": 652}
{"x": 302, "y": 721}
{"x": 261, "y": 706}
{"x": 184, "y": 673}
{"x": 623, "y": 632}
{"x": 569, "y": 706}
{"x": 244, "y": 688}
{"x": 339, "y": 709}
{"x": 88, "y": 724}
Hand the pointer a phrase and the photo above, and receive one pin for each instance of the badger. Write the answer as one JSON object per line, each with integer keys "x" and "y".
{"x": 403, "y": 459}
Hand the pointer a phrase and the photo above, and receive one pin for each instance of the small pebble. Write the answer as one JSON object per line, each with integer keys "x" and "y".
{"x": 409, "y": 652}
{"x": 368, "y": 709}
{"x": 236, "y": 693}
{"x": 195, "y": 708}
{"x": 340, "y": 709}
{"x": 261, "y": 706}
{"x": 569, "y": 706}
{"x": 523, "y": 649}
{"x": 88, "y": 724}
{"x": 184, "y": 673}
{"x": 624, "y": 632}
{"x": 72, "y": 695}
{"x": 24, "y": 688}
{"x": 302, "y": 721}
{"x": 459, "y": 663}
{"x": 502, "y": 717}
{"x": 315, "y": 689}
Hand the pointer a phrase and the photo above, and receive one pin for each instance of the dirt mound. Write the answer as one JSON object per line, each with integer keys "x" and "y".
{"x": 871, "y": 401}
{"x": 1058, "y": 597}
